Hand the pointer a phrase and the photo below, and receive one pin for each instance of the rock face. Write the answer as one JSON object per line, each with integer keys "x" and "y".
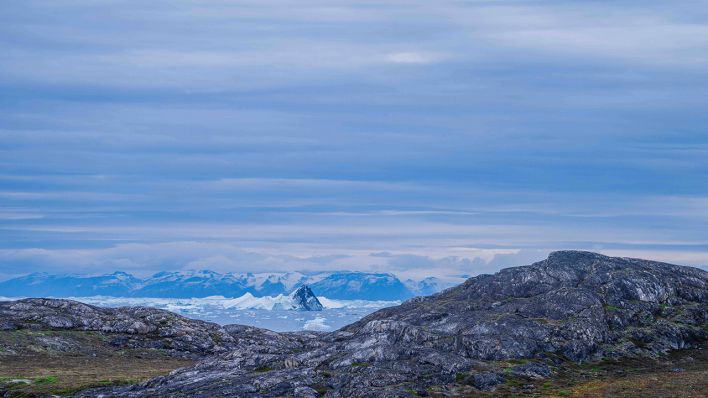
{"x": 305, "y": 300}
{"x": 579, "y": 304}
{"x": 573, "y": 306}
{"x": 129, "y": 327}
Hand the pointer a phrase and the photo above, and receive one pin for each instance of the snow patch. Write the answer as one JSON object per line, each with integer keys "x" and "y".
{"x": 317, "y": 324}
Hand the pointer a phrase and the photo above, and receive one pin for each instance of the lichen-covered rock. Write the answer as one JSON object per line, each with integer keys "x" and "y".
{"x": 129, "y": 327}
{"x": 579, "y": 304}
{"x": 532, "y": 370}
{"x": 487, "y": 380}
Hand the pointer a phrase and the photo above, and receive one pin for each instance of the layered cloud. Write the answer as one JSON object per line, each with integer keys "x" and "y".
{"x": 231, "y": 134}
{"x": 145, "y": 259}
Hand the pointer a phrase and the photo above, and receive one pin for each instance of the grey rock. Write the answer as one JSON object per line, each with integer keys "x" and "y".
{"x": 130, "y": 327}
{"x": 532, "y": 370}
{"x": 576, "y": 305}
{"x": 487, "y": 380}
{"x": 306, "y": 392}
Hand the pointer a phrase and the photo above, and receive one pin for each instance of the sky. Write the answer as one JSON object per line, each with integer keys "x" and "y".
{"x": 422, "y": 138}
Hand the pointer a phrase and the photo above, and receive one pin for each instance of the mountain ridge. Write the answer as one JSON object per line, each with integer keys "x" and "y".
{"x": 343, "y": 285}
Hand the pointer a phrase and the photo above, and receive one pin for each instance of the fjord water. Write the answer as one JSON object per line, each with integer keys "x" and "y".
{"x": 285, "y": 320}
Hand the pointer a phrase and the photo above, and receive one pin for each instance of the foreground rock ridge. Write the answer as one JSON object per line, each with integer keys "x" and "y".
{"x": 126, "y": 327}
{"x": 572, "y": 307}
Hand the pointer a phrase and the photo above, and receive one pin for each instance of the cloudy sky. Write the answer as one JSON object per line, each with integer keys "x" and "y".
{"x": 417, "y": 137}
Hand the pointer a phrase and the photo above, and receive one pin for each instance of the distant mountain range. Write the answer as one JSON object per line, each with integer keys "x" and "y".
{"x": 204, "y": 283}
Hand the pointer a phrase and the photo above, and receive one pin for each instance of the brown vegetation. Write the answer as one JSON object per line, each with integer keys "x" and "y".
{"x": 682, "y": 373}
{"x": 60, "y": 362}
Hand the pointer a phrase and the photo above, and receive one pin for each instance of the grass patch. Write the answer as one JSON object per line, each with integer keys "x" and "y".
{"x": 514, "y": 382}
{"x": 263, "y": 369}
{"x": 65, "y": 375}
{"x": 98, "y": 384}
{"x": 45, "y": 380}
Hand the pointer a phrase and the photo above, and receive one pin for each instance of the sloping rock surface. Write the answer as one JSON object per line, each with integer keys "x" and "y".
{"x": 129, "y": 327}
{"x": 576, "y": 306}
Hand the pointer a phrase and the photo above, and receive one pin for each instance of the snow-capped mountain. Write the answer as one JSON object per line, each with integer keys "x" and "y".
{"x": 204, "y": 283}
{"x": 427, "y": 286}
{"x": 346, "y": 286}
{"x": 42, "y": 284}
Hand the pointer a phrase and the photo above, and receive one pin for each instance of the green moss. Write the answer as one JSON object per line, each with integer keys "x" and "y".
{"x": 360, "y": 364}
{"x": 612, "y": 308}
{"x": 591, "y": 367}
{"x": 16, "y": 385}
{"x": 17, "y": 394}
{"x": 216, "y": 337}
{"x": 513, "y": 382}
{"x": 45, "y": 380}
{"x": 263, "y": 369}
{"x": 100, "y": 383}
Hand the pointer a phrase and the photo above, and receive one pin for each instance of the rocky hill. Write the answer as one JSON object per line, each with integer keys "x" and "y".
{"x": 126, "y": 327}
{"x": 524, "y": 323}
{"x": 579, "y": 304}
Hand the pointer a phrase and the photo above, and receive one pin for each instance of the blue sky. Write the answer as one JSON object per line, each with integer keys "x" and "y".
{"x": 422, "y": 138}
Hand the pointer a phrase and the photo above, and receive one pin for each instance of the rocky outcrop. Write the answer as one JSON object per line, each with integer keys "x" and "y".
{"x": 305, "y": 300}
{"x": 128, "y": 327}
{"x": 573, "y": 306}
{"x": 578, "y": 304}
